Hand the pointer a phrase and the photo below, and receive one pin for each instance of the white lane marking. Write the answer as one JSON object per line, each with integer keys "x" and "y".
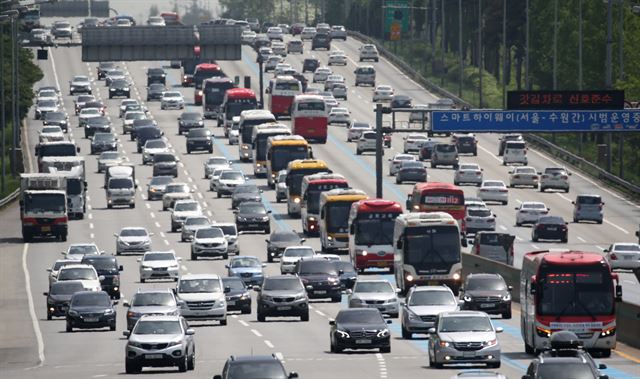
{"x": 199, "y": 194}
{"x": 535, "y": 246}
{"x": 157, "y": 224}
{"x": 91, "y": 225}
{"x": 490, "y": 154}
{"x": 90, "y": 215}
{"x": 92, "y": 236}
{"x": 519, "y": 238}
{"x": 166, "y": 242}
{"x": 623, "y": 230}
{"x": 629, "y": 281}
{"x": 162, "y": 234}
{"x": 564, "y": 197}
{"x": 503, "y": 227}
{"x": 32, "y": 310}
{"x": 320, "y": 313}
{"x": 600, "y": 247}
{"x": 210, "y": 214}
{"x": 257, "y": 333}
{"x": 189, "y": 179}
{"x": 581, "y": 239}
{"x": 268, "y": 343}
{"x": 279, "y": 356}
{"x": 184, "y": 268}
{"x": 152, "y": 215}
{"x": 243, "y": 323}
{"x": 147, "y": 205}
{"x": 518, "y": 201}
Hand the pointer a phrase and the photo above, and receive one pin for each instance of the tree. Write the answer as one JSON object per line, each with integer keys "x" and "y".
{"x": 153, "y": 10}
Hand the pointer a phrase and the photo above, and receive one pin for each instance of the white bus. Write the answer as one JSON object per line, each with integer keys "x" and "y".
{"x": 261, "y": 134}
{"x": 249, "y": 119}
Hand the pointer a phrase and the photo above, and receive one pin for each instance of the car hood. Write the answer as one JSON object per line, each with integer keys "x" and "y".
{"x": 155, "y": 338}
{"x": 77, "y": 84}
{"x": 91, "y": 309}
{"x": 284, "y": 244}
{"x": 240, "y": 270}
{"x": 424, "y": 310}
{"x": 485, "y": 293}
{"x": 467, "y": 336}
{"x": 201, "y": 296}
{"x": 220, "y": 240}
{"x": 252, "y": 215}
{"x": 374, "y": 296}
{"x": 177, "y": 195}
{"x": 317, "y": 277}
{"x": 284, "y": 293}
{"x": 90, "y": 284}
{"x": 133, "y": 239}
{"x": 246, "y": 196}
{"x": 229, "y": 181}
{"x": 156, "y": 264}
{"x": 186, "y": 213}
{"x": 156, "y": 150}
{"x": 289, "y": 259}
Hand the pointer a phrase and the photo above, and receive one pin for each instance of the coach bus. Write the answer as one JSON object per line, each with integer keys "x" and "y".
{"x": 261, "y": 134}
{"x": 213, "y": 91}
{"x": 309, "y": 118}
{"x": 281, "y": 150}
{"x": 335, "y": 206}
{"x": 312, "y": 187}
{"x": 438, "y": 197}
{"x": 203, "y": 71}
{"x": 248, "y": 120}
{"x": 296, "y": 171}
{"x": 281, "y": 94}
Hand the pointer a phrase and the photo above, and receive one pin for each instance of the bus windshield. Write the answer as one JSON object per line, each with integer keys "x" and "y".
{"x": 294, "y": 178}
{"x": 432, "y": 249}
{"x": 261, "y": 144}
{"x": 313, "y": 194}
{"x": 372, "y": 230}
{"x": 311, "y": 106}
{"x": 200, "y": 75}
{"x": 282, "y": 155}
{"x": 337, "y": 216}
{"x": 237, "y": 106}
{"x": 576, "y": 291}
{"x": 214, "y": 93}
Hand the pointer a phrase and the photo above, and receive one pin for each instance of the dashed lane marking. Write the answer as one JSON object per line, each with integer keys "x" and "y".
{"x": 257, "y": 333}
{"x": 268, "y": 343}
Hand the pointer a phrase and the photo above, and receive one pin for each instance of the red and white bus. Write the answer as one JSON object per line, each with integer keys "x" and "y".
{"x": 282, "y": 90}
{"x": 371, "y": 224}
{"x": 568, "y": 290}
{"x": 213, "y": 90}
{"x": 309, "y": 118}
{"x": 235, "y": 101}
{"x": 203, "y": 71}
{"x": 171, "y": 18}
{"x": 438, "y": 197}
{"x": 311, "y": 189}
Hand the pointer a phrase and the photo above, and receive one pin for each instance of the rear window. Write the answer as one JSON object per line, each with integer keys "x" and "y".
{"x": 490, "y": 239}
{"x": 446, "y": 148}
{"x": 515, "y": 145}
{"x": 589, "y": 200}
{"x": 365, "y": 71}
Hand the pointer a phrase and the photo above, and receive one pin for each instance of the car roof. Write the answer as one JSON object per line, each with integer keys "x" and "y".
{"x": 463, "y": 314}
{"x": 153, "y": 290}
{"x": 252, "y": 358}
{"x": 484, "y": 276}
{"x": 431, "y": 288}
{"x": 159, "y": 318}
{"x": 199, "y": 276}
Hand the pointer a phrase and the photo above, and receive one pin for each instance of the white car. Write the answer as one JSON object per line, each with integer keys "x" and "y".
{"x": 153, "y": 147}
{"x": 234, "y": 133}
{"x": 292, "y": 255}
{"x": 191, "y": 225}
{"x": 339, "y": 115}
{"x": 87, "y": 113}
{"x": 479, "y": 219}
{"x": 215, "y": 162}
{"x": 523, "y": 176}
{"x": 84, "y": 273}
{"x": 125, "y": 103}
{"x": 383, "y": 92}
{"x": 624, "y": 255}
{"x": 494, "y": 190}
{"x": 375, "y": 293}
{"x": 215, "y": 175}
{"x": 247, "y": 37}
{"x": 529, "y": 211}
{"x": 321, "y": 74}
{"x": 308, "y": 33}
{"x": 228, "y": 181}
{"x": 204, "y": 297}
{"x": 554, "y": 178}
{"x": 183, "y": 209}
{"x": 156, "y": 21}
{"x": 55, "y": 269}
{"x": 48, "y": 95}
{"x": 80, "y": 84}
{"x": 337, "y": 58}
{"x": 51, "y": 133}
{"x": 396, "y": 162}
{"x": 77, "y": 251}
{"x": 413, "y": 142}
{"x": 133, "y": 239}
{"x": 174, "y": 192}
{"x": 368, "y": 52}
{"x": 355, "y": 130}
{"x": 332, "y": 80}
{"x": 468, "y": 173}
{"x": 209, "y": 242}
{"x": 281, "y": 68}
{"x": 129, "y": 118}
{"x": 275, "y": 32}
{"x": 367, "y": 142}
{"x": 279, "y": 48}
{"x": 159, "y": 265}
{"x": 340, "y": 91}
{"x": 172, "y": 100}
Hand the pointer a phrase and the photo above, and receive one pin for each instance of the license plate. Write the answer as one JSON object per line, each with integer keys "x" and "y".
{"x": 319, "y": 292}
{"x": 231, "y": 302}
{"x": 628, "y": 257}
{"x": 553, "y": 229}
{"x": 284, "y": 308}
{"x": 91, "y": 319}
{"x": 487, "y": 305}
{"x": 469, "y": 354}
{"x": 252, "y": 225}
{"x": 153, "y": 356}
{"x": 381, "y": 264}
{"x": 46, "y": 228}
{"x": 363, "y": 342}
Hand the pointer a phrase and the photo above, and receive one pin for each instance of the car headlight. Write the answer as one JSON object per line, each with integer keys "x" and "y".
{"x": 267, "y": 298}
{"x": 265, "y": 218}
{"x": 391, "y": 301}
{"x": 467, "y": 298}
{"x": 492, "y": 342}
{"x": 174, "y": 343}
{"x": 330, "y": 238}
{"x": 245, "y": 147}
{"x": 506, "y": 297}
{"x": 125, "y": 89}
{"x": 200, "y": 122}
{"x": 342, "y": 334}
{"x": 109, "y": 312}
{"x": 444, "y": 344}
{"x": 383, "y": 333}
{"x": 413, "y": 316}
{"x": 242, "y": 218}
{"x": 147, "y": 268}
{"x": 311, "y": 219}
{"x": 245, "y": 296}
{"x": 333, "y": 280}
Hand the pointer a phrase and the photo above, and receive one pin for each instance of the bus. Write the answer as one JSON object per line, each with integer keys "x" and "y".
{"x": 203, "y": 71}
{"x": 335, "y": 206}
{"x": 261, "y": 134}
{"x": 312, "y": 187}
{"x": 282, "y": 91}
{"x": 280, "y": 151}
{"x": 427, "y": 251}
{"x": 213, "y": 90}
{"x": 296, "y": 170}
{"x": 568, "y": 290}
{"x": 309, "y": 117}
{"x": 30, "y": 18}
{"x": 248, "y": 120}
{"x": 171, "y": 18}
{"x": 438, "y": 197}
{"x": 235, "y": 101}
{"x": 371, "y": 224}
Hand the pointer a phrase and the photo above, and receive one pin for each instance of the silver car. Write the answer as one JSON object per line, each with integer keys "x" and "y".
{"x": 588, "y": 207}
{"x": 109, "y": 158}
{"x": 468, "y": 173}
{"x": 159, "y": 265}
{"x": 421, "y": 307}
{"x": 464, "y": 337}
{"x": 214, "y": 162}
{"x": 375, "y": 293}
{"x": 157, "y": 186}
{"x": 181, "y": 210}
{"x": 133, "y": 240}
{"x": 412, "y": 171}
{"x": 281, "y": 186}
{"x": 174, "y": 192}
{"x": 209, "y": 242}
{"x": 150, "y": 302}
{"x": 160, "y": 341}
{"x": 191, "y": 225}
{"x": 478, "y": 219}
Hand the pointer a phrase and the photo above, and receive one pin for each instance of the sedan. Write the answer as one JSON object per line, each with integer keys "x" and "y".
{"x": 249, "y": 269}
{"x": 355, "y": 129}
{"x": 171, "y": 100}
{"x": 292, "y": 255}
{"x": 129, "y": 118}
{"x": 488, "y": 293}
{"x": 174, "y": 192}
{"x": 529, "y": 211}
{"x": 109, "y": 158}
{"x": 360, "y": 329}
{"x": 209, "y": 242}
{"x": 411, "y": 171}
{"x": 119, "y": 87}
{"x": 133, "y": 240}
{"x": 182, "y": 210}
{"x": 228, "y": 181}
{"x": 422, "y": 305}
{"x": 396, "y": 162}
{"x": 91, "y": 310}
{"x": 279, "y": 240}
{"x": 86, "y": 113}
{"x": 375, "y": 293}
{"x": 238, "y": 297}
{"x": 413, "y": 142}
{"x": 252, "y": 215}
{"x": 51, "y": 133}
{"x": 624, "y": 255}
{"x": 153, "y": 147}
{"x": 321, "y": 74}
{"x": 401, "y": 101}
{"x": 382, "y": 92}
{"x": 523, "y": 176}
{"x": 190, "y": 120}
{"x": 550, "y": 228}
{"x": 295, "y": 46}
{"x": 59, "y": 295}
{"x": 159, "y": 265}
{"x": 101, "y": 142}
{"x": 478, "y": 219}
{"x": 468, "y": 173}
{"x": 271, "y": 62}
{"x": 245, "y": 192}
{"x": 95, "y": 125}
{"x": 337, "y": 58}
{"x": 80, "y": 84}
{"x": 77, "y": 251}
{"x": 45, "y": 106}
{"x": 155, "y": 91}
{"x": 165, "y": 164}
{"x": 123, "y": 104}
{"x": 494, "y": 190}
{"x": 59, "y": 119}
{"x": 215, "y": 162}
{"x": 191, "y": 225}
{"x": 339, "y": 115}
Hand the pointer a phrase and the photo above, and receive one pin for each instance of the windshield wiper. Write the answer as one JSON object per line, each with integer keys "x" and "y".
{"x": 587, "y": 311}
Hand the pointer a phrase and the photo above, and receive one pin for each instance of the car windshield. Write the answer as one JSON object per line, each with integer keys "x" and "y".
{"x": 209, "y": 233}
{"x": 200, "y": 132}
{"x": 479, "y": 212}
{"x": 90, "y": 111}
{"x": 196, "y": 221}
{"x": 565, "y": 370}
{"x": 632, "y": 248}
{"x": 172, "y": 95}
{"x": 247, "y": 189}
{"x": 98, "y": 121}
{"x": 231, "y": 175}
{"x": 133, "y": 232}
{"x": 469, "y": 167}
{"x": 82, "y": 250}
{"x": 186, "y": 207}
{"x": 164, "y": 158}
{"x": 246, "y": 208}
{"x": 299, "y": 252}
{"x": 54, "y": 116}
{"x": 65, "y": 288}
{"x": 177, "y": 188}
{"x": 485, "y": 284}
{"x": 465, "y": 324}
{"x": 246, "y": 262}
{"x": 588, "y": 200}
{"x": 160, "y": 180}
{"x": 235, "y": 284}
{"x": 95, "y": 299}
{"x": 104, "y": 137}
{"x": 217, "y": 161}
{"x": 373, "y": 287}
{"x": 282, "y": 284}
{"x": 77, "y": 274}
{"x": 525, "y": 170}
{"x": 228, "y": 229}
{"x": 271, "y": 369}
{"x": 412, "y": 164}
{"x": 120, "y": 183}
{"x": 361, "y": 316}
{"x": 158, "y": 327}
{"x": 158, "y": 257}
{"x": 199, "y": 286}
{"x": 285, "y": 237}
{"x": 551, "y": 220}
{"x": 109, "y": 155}
{"x": 432, "y": 298}
{"x": 60, "y": 263}
{"x": 157, "y": 87}
{"x": 101, "y": 263}
{"x": 153, "y": 299}
{"x": 493, "y": 184}
{"x": 134, "y": 116}
{"x": 317, "y": 267}
{"x": 534, "y": 206}
{"x": 47, "y": 103}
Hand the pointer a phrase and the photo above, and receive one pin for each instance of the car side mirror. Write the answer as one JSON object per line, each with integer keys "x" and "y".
{"x": 499, "y": 329}
{"x": 603, "y": 377}
{"x": 264, "y": 265}
{"x": 332, "y": 322}
{"x": 190, "y": 332}
{"x": 49, "y": 270}
{"x": 431, "y": 331}
{"x": 126, "y": 333}
{"x": 45, "y": 293}
{"x": 602, "y": 366}
{"x": 101, "y": 278}
{"x": 139, "y": 259}
{"x": 235, "y": 211}
{"x": 460, "y": 303}
{"x": 516, "y": 208}
{"x": 217, "y": 377}
{"x": 227, "y": 289}
{"x": 269, "y": 211}
{"x": 509, "y": 288}
{"x": 125, "y": 304}
{"x": 618, "y": 293}
{"x": 309, "y": 288}
{"x": 293, "y": 374}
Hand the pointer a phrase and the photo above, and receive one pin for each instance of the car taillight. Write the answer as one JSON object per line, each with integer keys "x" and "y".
{"x": 613, "y": 257}
{"x": 469, "y": 219}
{"x": 523, "y": 211}
{"x": 504, "y": 190}
{"x": 516, "y": 176}
{"x": 534, "y": 177}
{"x": 478, "y": 173}
{"x": 600, "y": 206}
{"x": 477, "y": 249}
{"x": 545, "y": 176}
{"x": 564, "y": 177}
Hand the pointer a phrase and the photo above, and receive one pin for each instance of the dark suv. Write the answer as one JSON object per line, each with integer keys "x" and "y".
{"x": 282, "y": 295}
{"x": 321, "y": 279}
{"x": 310, "y": 65}
{"x": 107, "y": 266}
{"x": 146, "y": 133}
{"x": 488, "y": 293}
{"x": 156, "y": 75}
{"x": 254, "y": 366}
{"x": 467, "y": 144}
{"x": 199, "y": 139}
{"x": 321, "y": 41}
{"x": 165, "y": 164}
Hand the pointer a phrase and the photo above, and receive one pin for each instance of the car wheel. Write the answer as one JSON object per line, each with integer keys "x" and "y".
{"x": 336, "y": 299}
{"x": 142, "y": 280}
{"x": 507, "y": 315}
{"x": 223, "y": 322}
{"x": 191, "y": 362}
{"x": 534, "y": 238}
{"x": 494, "y": 365}
{"x": 182, "y": 365}
{"x": 69, "y": 327}
{"x": 131, "y": 368}
{"x": 246, "y": 311}
{"x": 261, "y": 317}
{"x": 267, "y": 231}
{"x": 407, "y": 335}
{"x": 194, "y": 257}
{"x": 305, "y": 317}
{"x": 385, "y": 350}
{"x": 112, "y": 327}
{"x": 218, "y": 194}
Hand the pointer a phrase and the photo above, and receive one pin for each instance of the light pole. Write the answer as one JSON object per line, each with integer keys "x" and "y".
{"x": 609, "y": 74}
{"x": 3, "y": 120}
{"x": 461, "y": 64}
{"x": 555, "y": 45}
{"x": 480, "y": 60}
{"x": 526, "y": 43}
{"x": 442, "y": 34}
{"x": 504, "y": 54}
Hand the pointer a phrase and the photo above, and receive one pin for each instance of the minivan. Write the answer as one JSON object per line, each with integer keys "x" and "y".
{"x": 365, "y": 75}
{"x": 588, "y": 207}
{"x": 515, "y": 152}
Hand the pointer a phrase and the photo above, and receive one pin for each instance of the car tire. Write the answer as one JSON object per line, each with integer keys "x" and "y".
{"x": 218, "y": 194}
{"x": 142, "y": 280}
{"x": 69, "y": 327}
{"x": 131, "y": 368}
{"x": 542, "y": 189}
{"x": 385, "y": 350}
{"x": 182, "y": 365}
{"x": 493, "y": 365}
{"x": 191, "y": 362}
{"x": 305, "y": 317}
{"x": 225, "y": 256}
{"x": 407, "y": 335}
{"x": 246, "y": 311}
{"x": 336, "y": 299}
{"x": 49, "y": 316}
{"x": 223, "y": 322}
{"x": 112, "y": 327}
{"x": 261, "y": 317}
{"x": 534, "y": 238}
{"x": 267, "y": 231}
{"x": 194, "y": 257}
{"x": 398, "y": 181}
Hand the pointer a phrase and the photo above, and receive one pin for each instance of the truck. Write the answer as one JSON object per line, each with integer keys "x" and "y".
{"x": 43, "y": 206}
{"x": 73, "y": 169}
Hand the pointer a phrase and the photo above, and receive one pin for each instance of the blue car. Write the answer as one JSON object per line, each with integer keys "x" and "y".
{"x": 249, "y": 269}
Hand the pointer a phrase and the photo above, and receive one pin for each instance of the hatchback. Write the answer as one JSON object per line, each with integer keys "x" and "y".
{"x": 588, "y": 207}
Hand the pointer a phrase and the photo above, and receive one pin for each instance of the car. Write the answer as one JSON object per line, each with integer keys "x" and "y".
{"x": 215, "y": 162}
{"x": 554, "y": 178}
{"x": 338, "y": 32}
{"x": 155, "y": 91}
{"x": 465, "y": 143}
{"x": 339, "y": 115}
{"x": 355, "y": 129}
{"x": 529, "y": 211}
{"x": 86, "y": 114}
{"x": 119, "y": 87}
{"x": 254, "y": 366}
{"x": 129, "y": 118}
{"x": 281, "y": 186}
{"x": 174, "y": 192}
{"x": 360, "y": 328}
{"x": 295, "y": 46}
{"x": 156, "y": 21}
{"x": 248, "y": 268}
{"x": 151, "y": 302}
{"x": 59, "y": 119}
{"x": 156, "y": 75}
{"x": 279, "y": 48}
{"x": 339, "y": 91}
{"x": 321, "y": 74}
{"x": 228, "y": 181}
{"x": 90, "y": 310}
{"x": 365, "y": 75}
{"x": 165, "y": 164}
{"x": 54, "y": 270}
{"x": 109, "y": 158}
{"x": 209, "y": 241}
{"x": 41, "y": 37}
{"x": 102, "y": 68}
{"x": 80, "y": 84}
{"x": 113, "y": 74}
{"x": 401, "y": 101}
{"x": 48, "y": 94}
{"x": 329, "y": 101}
{"x": 77, "y": 251}
{"x": 203, "y": 296}
{"x": 367, "y": 142}
{"x": 45, "y": 106}
{"x": 412, "y": 171}
{"x": 550, "y": 228}
{"x": 245, "y": 192}
{"x": 468, "y": 173}
{"x": 310, "y": 65}
{"x": 237, "y": 295}
{"x": 252, "y": 215}
{"x": 422, "y": 305}
{"x": 493, "y": 190}
{"x": 444, "y": 154}
{"x": 199, "y": 139}
{"x": 101, "y": 142}
{"x": 479, "y": 218}
{"x": 109, "y": 270}
{"x": 320, "y": 277}
{"x": 502, "y": 143}
{"x": 271, "y": 62}
{"x": 50, "y": 134}
{"x": 368, "y": 52}
{"x": 523, "y": 176}
{"x": 426, "y": 149}
{"x": 456, "y": 333}
{"x": 478, "y": 374}
{"x": 515, "y": 152}
{"x": 264, "y": 53}
{"x": 279, "y": 240}
{"x": 588, "y": 207}
{"x": 128, "y": 105}
{"x": 183, "y": 209}
{"x": 248, "y": 37}
{"x": 171, "y": 100}
{"x": 275, "y": 33}
{"x": 413, "y": 142}
{"x": 382, "y": 92}
{"x": 59, "y": 296}
{"x": 160, "y": 341}
{"x": 234, "y": 132}
{"x": 291, "y": 255}
{"x": 81, "y": 100}
{"x": 189, "y": 120}
{"x": 337, "y": 58}
{"x": 488, "y": 293}
{"x": 396, "y": 162}
{"x": 159, "y": 265}
{"x": 191, "y": 225}
{"x": 133, "y": 239}
{"x": 308, "y": 33}
{"x": 151, "y": 148}
{"x": 215, "y": 175}
{"x": 100, "y": 124}
{"x": 281, "y": 296}
{"x": 375, "y": 293}
{"x": 623, "y": 255}
{"x": 230, "y": 232}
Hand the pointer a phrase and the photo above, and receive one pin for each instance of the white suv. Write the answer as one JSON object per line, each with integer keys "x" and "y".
{"x": 368, "y": 52}
{"x": 554, "y": 178}
{"x": 203, "y": 297}
{"x": 367, "y": 142}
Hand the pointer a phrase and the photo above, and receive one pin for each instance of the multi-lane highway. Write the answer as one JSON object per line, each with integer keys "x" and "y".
{"x": 36, "y": 348}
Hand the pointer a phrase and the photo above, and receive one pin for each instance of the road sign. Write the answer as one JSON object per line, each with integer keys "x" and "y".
{"x": 75, "y": 8}
{"x": 396, "y": 18}
{"x": 565, "y": 100}
{"x": 481, "y": 121}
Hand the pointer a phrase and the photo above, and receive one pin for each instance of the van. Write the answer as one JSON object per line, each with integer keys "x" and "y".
{"x": 588, "y": 207}
{"x": 494, "y": 246}
{"x": 515, "y": 152}
{"x": 120, "y": 171}
{"x": 121, "y": 191}
{"x": 365, "y": 75}
{"x": 444, "y": 154}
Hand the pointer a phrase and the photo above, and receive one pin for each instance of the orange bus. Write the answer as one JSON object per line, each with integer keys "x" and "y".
{"x": 438, "y": 197}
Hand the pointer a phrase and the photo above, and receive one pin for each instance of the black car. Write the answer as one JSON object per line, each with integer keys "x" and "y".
{"x": 321, "y": 41}
{"x": 348, "y": 274}
{"x": 401, "y": 101}
{"x": 282, "y": 295}
{"x": 303, "y": 80}
{"x": 155, "y": 90}
{"x": 91, "y": 310}
{"x": 488, "y": 293}
{"x": 252, "y": 215}
{"x": 411, "y": 171}
{"x": 467, "y": 145}
{"x": 107, "y": 266}
{"x": 360, "y": 328}
{"x": 426, "y": 150}
{"x": 156, "y": 75}
{"x": 103, "y": 67}
{"x": 59, "y": 295}
{"x": 321, "y": 278}
{"x": 310, "y": 65}
{"x": 189, "y": 120}
{"x": 56, "y": 119}
{"x": 103, "y": 142}
{"x": 165, "y": 164}
{"x": 245, "y": 192}
{"x": 199, "y": 139}
{"x": 147, "y": 133}
{"x": 550, "y": 228}
{"x": 254, "y": 366}
{"x": 119, "y": 88}
{"x": 157, "y": 185}
{"x": 279, "y": 240}
{"x": 238, "y": 298}
{"x": 95, "y": 125}
{"x": 139, "y": 124}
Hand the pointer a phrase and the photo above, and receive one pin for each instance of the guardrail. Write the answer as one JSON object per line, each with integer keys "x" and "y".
{"x": 9, "y": 198}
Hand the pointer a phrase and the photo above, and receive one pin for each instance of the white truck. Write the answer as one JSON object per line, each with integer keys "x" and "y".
{"x": 73, "y": 168}
{"x": 43, "y": 206}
